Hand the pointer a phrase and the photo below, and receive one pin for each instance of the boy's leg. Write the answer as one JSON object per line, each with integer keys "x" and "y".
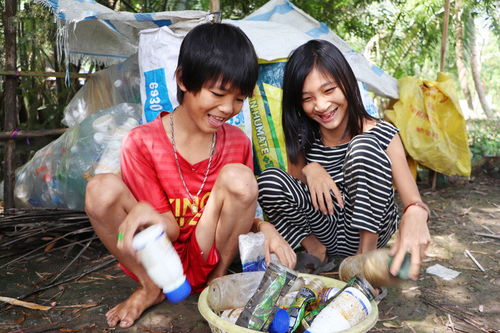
{"x": 107, "y": 203}
{"x": 229, "y": 212}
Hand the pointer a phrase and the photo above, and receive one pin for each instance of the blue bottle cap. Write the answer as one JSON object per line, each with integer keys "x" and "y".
{"x": 280, "y": 323}
{"x": 179, "y": 294}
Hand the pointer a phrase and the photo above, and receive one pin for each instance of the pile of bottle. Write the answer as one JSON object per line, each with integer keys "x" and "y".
{"x": 279, "y": 301}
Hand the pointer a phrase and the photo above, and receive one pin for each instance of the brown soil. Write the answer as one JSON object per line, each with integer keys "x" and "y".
{"x": 468, "y": 303}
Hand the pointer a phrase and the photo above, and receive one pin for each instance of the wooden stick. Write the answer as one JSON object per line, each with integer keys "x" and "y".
{"x": 468, "y": 254}
{"x": 487, "y": 235}
{"x": 28, "y": 305}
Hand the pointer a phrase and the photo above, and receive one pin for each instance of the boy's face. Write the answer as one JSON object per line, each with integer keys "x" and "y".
{"x": 213, "y": 105}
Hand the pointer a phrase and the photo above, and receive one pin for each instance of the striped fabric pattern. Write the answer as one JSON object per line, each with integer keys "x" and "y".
{"x": 362, "y": 171}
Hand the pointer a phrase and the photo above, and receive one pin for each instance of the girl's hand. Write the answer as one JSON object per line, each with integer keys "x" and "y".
{"x": 321, "y": 185}
{"x": 413, "y": 237}
{"x": 277, "y": 245}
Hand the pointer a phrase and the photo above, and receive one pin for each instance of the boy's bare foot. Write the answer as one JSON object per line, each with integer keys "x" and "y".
{"x": 128, "y": 311}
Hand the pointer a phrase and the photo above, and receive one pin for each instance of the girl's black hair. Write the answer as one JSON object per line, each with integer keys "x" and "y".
{"x": 217, "y": 51}
{"x": 300, "y": 130}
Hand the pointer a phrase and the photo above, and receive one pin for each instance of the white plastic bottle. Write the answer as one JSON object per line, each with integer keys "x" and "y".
{"x": 162, "y": 263}
{"x": 348, "y": 309}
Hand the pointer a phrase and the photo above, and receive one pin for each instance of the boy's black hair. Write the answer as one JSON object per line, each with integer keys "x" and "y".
{"x": 300, "y": 130}
{"x": 214, "y": 51}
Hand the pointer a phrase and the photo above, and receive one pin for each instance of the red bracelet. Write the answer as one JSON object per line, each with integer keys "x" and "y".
{"x": 421, "y": 205}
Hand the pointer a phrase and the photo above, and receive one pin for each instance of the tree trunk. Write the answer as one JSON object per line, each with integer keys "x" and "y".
{"x": 444, "y": 35}
{"x": 460, "y": 54}
{"x": 476, "y": 74}
{"x": 10, "y": 105}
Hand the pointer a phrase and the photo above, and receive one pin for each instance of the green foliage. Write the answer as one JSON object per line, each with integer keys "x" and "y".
{"x": 484, "y": 138}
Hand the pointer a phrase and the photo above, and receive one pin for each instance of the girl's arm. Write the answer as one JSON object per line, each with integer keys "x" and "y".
{"x": 413, "y": 234}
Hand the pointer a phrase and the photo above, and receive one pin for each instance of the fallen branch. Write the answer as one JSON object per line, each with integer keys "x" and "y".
{"x": 72, "y": 260}
{"x": 72, "y": 278}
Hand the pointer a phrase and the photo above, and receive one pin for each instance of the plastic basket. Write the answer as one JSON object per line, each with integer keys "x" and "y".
{"x": 219, "y": 325}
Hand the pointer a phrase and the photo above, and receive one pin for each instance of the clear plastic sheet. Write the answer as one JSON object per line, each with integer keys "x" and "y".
{"x": 112, "y": 86}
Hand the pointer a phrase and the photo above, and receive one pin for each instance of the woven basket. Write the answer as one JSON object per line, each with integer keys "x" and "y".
{"x": 219, "y": 325}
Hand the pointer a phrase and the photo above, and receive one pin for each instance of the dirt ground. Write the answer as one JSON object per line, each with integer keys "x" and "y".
{"x": 468, "y": 303}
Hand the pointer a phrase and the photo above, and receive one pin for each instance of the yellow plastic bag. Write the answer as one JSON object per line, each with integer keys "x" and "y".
{"x": 431, "y": 124}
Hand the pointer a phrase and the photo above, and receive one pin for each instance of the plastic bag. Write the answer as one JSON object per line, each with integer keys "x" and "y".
{"x": 57, "y": 175}
{"x": 431, "y": 125}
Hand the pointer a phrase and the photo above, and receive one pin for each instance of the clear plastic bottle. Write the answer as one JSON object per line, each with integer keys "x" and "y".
{"x": 233, "y": 291}
{"x": 162, "y": 263}
{"x": 374, "y": 267}
{"x": 349, "y": 308}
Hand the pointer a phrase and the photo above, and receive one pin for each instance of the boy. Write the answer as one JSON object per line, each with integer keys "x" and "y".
{"x": 188, "y": 171}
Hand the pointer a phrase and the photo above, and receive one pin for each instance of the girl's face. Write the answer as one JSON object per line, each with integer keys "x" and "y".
{"x": 324, "y": 102}
{"x": 212, "y": 106}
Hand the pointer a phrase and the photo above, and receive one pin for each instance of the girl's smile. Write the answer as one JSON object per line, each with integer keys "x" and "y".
{"x": 324, "y": 102}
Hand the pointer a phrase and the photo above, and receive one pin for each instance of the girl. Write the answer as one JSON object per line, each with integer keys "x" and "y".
{"x": 338, "y": 196}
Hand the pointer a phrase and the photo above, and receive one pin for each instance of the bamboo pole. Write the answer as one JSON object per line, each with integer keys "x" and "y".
{"x": 215, "y": 9}
{"x": 13, "y": 135}
{"x": 46, "y": 74}
{"x": 10, "y": 105}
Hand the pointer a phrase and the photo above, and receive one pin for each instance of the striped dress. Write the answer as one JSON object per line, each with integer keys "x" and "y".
{"x": 362, "y": 171}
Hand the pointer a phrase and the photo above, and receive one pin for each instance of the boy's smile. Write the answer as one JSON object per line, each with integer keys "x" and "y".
{"x": 212, "y": 106}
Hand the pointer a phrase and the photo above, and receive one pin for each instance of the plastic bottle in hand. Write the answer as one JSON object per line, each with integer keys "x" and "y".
{"x": 162, "y": 263}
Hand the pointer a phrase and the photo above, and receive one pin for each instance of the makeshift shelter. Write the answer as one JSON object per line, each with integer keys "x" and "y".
{"x": 109, "y": 105}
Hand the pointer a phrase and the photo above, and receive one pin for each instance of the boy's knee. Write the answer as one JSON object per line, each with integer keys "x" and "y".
{"x": 240, "y": 181}
{"x": 102, "y": 192}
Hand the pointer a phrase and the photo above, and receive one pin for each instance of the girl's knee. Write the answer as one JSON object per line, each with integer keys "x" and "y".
{"x": 239, "y": 181}
{"x": 364, "y": 145}
{"x": 102, "y": 192}
{"x": 271, "y": 178}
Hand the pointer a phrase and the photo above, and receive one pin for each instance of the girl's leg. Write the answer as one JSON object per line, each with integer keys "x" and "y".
{"x": 107, "y": 203}
{"x": 229, "y": 212}
{"x": 287, "y": 204}
{"x": 370, "y": 209}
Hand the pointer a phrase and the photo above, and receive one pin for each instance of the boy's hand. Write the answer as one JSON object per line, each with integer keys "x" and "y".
{"x": 141, "y": 216}
{"x": 321, "y": 186}
{"x": 277, "y": 245}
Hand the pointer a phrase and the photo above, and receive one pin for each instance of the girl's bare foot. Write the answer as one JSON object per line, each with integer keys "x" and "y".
{"x": 127, "y": 312}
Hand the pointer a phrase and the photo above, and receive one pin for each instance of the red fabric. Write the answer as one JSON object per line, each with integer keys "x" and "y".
{"x": 149, "y": 170}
